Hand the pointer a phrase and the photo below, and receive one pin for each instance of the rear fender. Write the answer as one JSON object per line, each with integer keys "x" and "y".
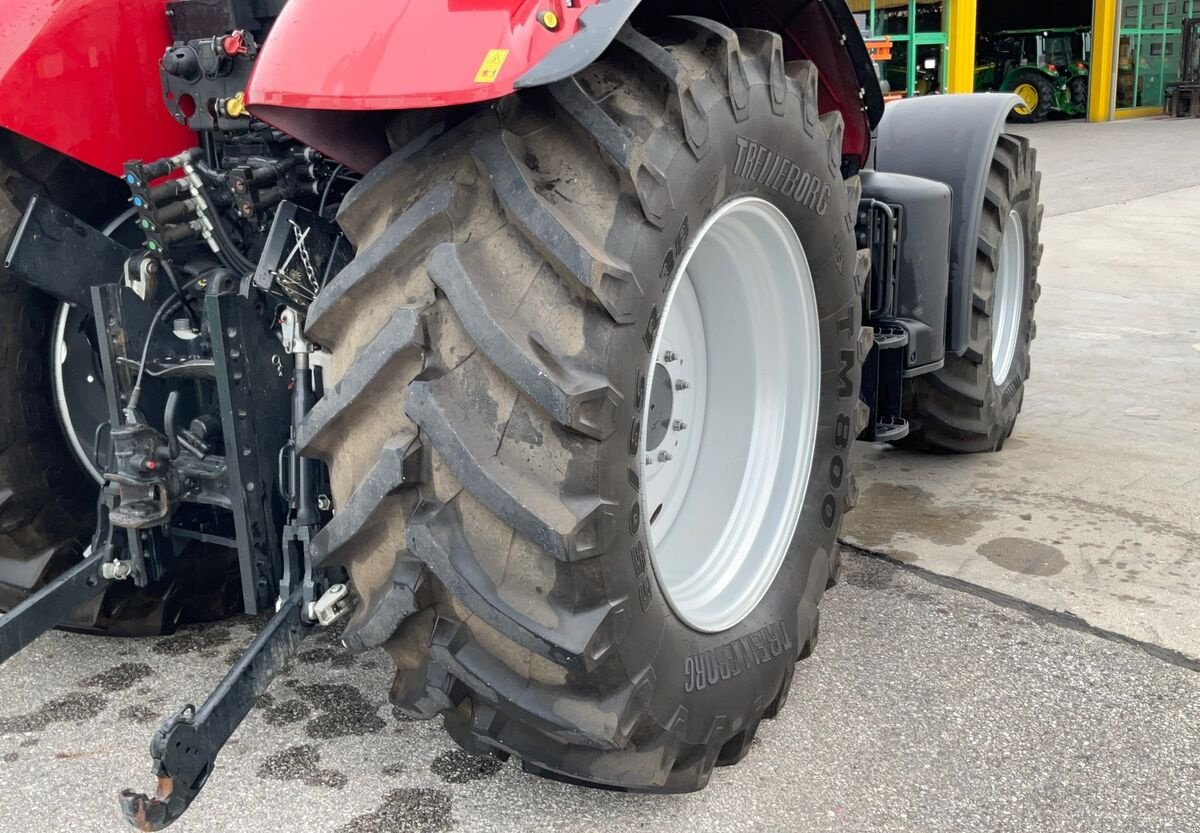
{"x": 323, "y": 61}
{"x": 373, "y": 55}
{"x": 949, "y": 139}
{"x": 81, "y": 77}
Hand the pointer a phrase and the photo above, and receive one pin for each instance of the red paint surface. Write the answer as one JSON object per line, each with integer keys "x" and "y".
{"x": 81, "y": 76}
{"x": 402, "y": 54}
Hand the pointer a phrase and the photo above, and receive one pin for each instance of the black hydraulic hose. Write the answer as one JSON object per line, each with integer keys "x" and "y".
{"x": 192, "y": 315}
{"x": 328, "y": 187}
{"x": 240, "y": 263}
{"x": 166, "y": 306}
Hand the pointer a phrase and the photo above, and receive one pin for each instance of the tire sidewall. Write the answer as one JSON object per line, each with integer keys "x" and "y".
{"x": 738, "y": 672}
{"x": 1008, "y": 395}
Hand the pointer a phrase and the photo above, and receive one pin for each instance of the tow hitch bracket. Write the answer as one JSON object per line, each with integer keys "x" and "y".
{"x": 185, "y": 747}
{"x": 44, "y": 609}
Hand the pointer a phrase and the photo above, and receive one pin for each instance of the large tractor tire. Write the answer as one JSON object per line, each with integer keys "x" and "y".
{"x": 1078, "y": 87}
{"x": 47, "y": 499}
{"x": 972, "y": 403}
{"x": 1037, "y": 97}
{"x": 586, "y": 333}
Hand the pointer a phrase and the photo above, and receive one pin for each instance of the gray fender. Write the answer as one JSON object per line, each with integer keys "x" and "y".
{"x": 950, "y": 139}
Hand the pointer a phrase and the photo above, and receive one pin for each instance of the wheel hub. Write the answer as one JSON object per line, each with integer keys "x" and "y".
{"x": 729, "y": 423}
{"x": 1029, "y": 98}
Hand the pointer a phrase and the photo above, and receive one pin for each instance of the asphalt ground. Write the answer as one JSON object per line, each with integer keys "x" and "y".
{"x": 924, "y": 708}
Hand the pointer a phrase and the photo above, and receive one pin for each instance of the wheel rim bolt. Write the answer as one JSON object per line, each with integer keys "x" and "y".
{"x": 670, "y": 356}
{"x": 679, "y": 425}
{"x": 680, "y": 384}
{"x": 664, "y": 457}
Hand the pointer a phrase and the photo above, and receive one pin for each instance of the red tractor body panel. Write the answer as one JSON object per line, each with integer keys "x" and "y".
{"x": 368, "y": 55}
{"x": 81, "y": 76}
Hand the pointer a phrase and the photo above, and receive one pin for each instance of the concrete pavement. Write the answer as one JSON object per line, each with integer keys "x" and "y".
{"x": 923, "y": 709}
{"x": 1092, "y": 507}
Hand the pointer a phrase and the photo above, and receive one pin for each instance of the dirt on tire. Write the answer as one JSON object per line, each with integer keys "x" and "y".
{"x": 480, "y": 421}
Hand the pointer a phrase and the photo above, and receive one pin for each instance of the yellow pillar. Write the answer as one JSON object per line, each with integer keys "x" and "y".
{"x": 1104, "y": 59}
{"x": 960, "y": 68}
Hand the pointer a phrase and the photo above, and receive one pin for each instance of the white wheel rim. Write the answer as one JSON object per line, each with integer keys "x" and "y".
{"x": 730, "y": 414}
{"x": 1008, "y": 296}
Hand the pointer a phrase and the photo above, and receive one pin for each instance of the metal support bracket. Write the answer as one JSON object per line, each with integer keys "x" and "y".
{"x": 185, "y": 747}
{"x": 254, "y": 373}
{"x": 47, "y": 607}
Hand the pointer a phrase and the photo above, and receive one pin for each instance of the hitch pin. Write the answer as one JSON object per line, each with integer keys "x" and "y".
{"x": 334, "y": 603}
{"x": 116, "y": 570}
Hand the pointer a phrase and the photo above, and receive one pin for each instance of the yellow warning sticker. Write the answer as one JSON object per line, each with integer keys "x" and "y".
{"x": 489, "y": 70}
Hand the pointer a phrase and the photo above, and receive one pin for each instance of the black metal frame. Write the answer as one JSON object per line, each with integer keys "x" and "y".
{"x": 253, "y": 372}
{"x": 184, "y": 749}
{"x": 46, "y": 608}
{"x": 262, "y": 387}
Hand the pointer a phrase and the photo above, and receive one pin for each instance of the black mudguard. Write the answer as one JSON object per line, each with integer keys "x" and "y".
{"x": 949, "y": 139}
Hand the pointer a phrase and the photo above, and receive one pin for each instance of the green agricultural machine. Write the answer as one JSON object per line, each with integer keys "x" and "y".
{"x": 1046, "y": 68}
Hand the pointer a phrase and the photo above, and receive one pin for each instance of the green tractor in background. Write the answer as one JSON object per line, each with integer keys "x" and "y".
{"x": 1046, "y": 68}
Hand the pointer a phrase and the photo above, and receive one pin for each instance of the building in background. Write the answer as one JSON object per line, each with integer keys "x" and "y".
{"x": 1135, "y": 44}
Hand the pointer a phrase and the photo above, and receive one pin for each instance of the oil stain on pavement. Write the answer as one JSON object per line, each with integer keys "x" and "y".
{"x": 888, "y": 508}
{"x": 406, "y": 810}
{"x": 458, "y": 767}
{"x": 200, "y": 639}
{"x": 119, "y": 677}
{"x": 141, "y": 713}
{"x": 1022, "y": 555}
{"x": 300, "y": 763}
{"x": 72, "y": 708}
{"x": 343, "y": 710}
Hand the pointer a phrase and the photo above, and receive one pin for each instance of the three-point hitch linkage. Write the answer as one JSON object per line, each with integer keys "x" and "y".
{"x": 220, "y": 347}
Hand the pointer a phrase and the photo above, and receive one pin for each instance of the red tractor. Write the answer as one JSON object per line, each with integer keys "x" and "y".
{"x": 528, "y": 341}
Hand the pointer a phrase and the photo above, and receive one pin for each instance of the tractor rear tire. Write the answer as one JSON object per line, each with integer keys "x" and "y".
{"x": 482, "y": 414}
{"x": 1045, "y": 97}
{"x": 1078, "y": 87}
{"x": 971, "y": 404}
{"x": 47, "y": 501}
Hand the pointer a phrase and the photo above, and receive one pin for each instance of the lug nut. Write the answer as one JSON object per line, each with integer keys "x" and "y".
{"x": 679, "y": 425}
{"x": 670, "y": 356}
{"x": 664, "y": 457}
{"x": 680, "y": 384}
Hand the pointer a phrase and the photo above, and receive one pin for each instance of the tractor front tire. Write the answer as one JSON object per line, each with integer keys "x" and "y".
{"x": 482, "y": 421}
{"x": 1039, "y": 89}
{"x": 972, "y": 403}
